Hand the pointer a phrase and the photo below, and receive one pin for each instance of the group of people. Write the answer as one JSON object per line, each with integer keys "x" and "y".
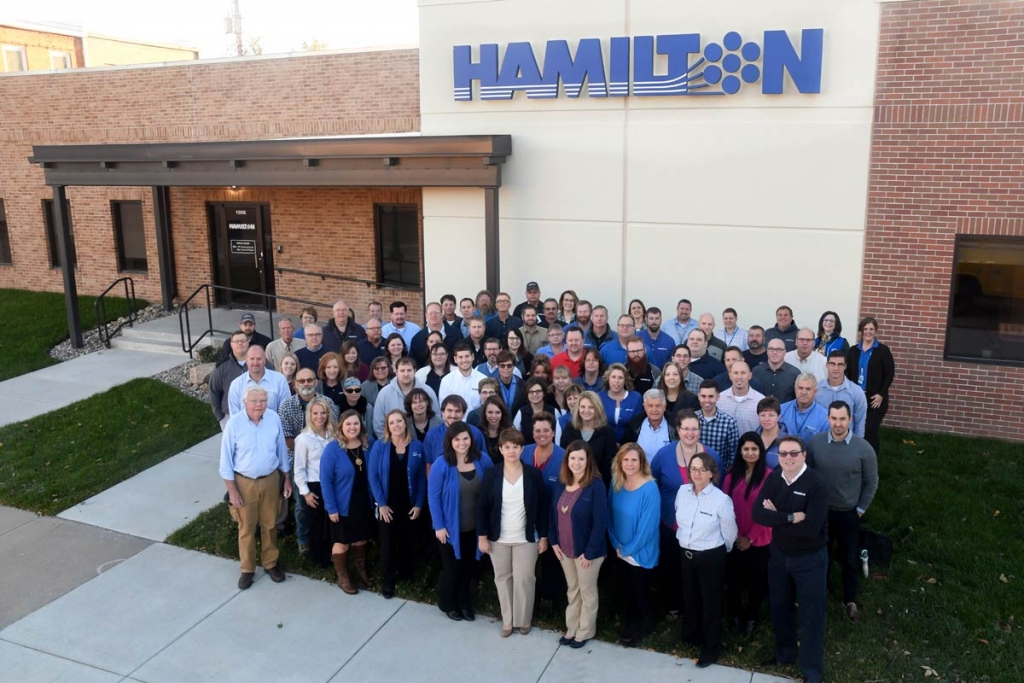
{"x": 716, "y": 465}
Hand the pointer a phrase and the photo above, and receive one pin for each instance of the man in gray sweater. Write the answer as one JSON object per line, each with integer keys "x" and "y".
{"x": 849, "y": 465}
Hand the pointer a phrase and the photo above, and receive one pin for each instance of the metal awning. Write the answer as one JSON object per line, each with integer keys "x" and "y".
{"x": 362, "y": 161}
{"x": 397, "y": 161}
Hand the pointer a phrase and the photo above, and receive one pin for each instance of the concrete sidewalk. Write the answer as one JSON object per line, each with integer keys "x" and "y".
{"x": 168, "y": 615}
{"x": 60, "y": 385}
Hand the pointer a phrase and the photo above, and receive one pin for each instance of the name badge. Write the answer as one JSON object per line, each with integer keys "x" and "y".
{"x": 799, "y": 493}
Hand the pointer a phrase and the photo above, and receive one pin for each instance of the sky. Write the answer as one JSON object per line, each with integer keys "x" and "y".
{"x": 281, "y": 25}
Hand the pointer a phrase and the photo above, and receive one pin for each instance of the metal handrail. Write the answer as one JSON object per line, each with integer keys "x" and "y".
{"x": 345, "y": 278}
{"x": 185, "y": 325}
{"x": 100, "y": 306}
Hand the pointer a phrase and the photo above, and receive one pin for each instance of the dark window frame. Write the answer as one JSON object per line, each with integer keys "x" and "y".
{"x": 959, "y": 243}
{"x": 118, "y": 225}
{"x": 51, "y": 234}
{"x": 6, "y": 252}
{"x": 379, "y": 245}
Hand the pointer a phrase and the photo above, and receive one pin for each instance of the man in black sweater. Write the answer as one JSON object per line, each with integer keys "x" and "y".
{"x": 794, "y": 503}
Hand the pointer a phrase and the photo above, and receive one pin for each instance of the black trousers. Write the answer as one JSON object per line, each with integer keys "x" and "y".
{"x": 873, "y": 423}
{"x": 458, "y": 574}
{"x": 397, "y": 538}
{"x": 747, "y": 573}
{"x": 703, "y": 575}
{"x": 319, "y": 526}
{"x": 550, "y": 577}
{"x": 669, "y": 588}
{"x": 799, "y": 580}
{"x": 635, "y": 585}
{"x": 843, "y": 539}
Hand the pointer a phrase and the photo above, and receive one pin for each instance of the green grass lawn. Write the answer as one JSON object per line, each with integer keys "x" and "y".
{"x": 951, "y": 603}
{"x": 56, "y": 460}
{"x": 34, "y": 322}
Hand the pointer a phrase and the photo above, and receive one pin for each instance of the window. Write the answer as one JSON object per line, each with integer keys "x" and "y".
{"x": 986, "y": 312}
{"x": 129, "y": 236}
{"x": 15, "y": 58}
{"x": 60, "y": 60}
{"x": 5, "y": 238}
{"x": 51, "y": 233}
{"x": 398, "y": 245}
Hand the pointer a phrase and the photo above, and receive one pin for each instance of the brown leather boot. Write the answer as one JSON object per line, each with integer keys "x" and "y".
{"x": 341, "y": 568}
{"x": 359, "y": 560}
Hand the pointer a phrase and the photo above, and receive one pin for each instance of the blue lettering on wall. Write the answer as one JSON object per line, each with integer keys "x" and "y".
{"x": 692, "y": 67}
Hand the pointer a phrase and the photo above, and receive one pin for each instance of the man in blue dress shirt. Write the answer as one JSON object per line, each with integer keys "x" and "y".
{"x": 253, "y": 461}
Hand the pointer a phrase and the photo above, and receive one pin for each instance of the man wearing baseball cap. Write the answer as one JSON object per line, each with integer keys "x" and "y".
{"x": 532, "y": 299}
{"x": 247, "y": 324}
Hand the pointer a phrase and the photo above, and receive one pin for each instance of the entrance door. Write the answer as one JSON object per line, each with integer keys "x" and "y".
{"x": 243, "y": 254}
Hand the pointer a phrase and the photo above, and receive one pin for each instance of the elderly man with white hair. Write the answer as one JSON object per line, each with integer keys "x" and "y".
{"x": 253, "y": 463}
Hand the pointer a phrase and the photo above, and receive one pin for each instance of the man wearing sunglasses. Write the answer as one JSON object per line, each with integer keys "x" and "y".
{"x": 794, "y": 503}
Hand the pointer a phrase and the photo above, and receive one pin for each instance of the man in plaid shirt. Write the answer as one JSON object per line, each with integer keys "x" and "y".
{"x": 717, "y": 430}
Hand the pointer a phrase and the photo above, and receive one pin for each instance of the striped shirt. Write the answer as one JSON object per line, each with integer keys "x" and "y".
{"x": 705, "y": 520}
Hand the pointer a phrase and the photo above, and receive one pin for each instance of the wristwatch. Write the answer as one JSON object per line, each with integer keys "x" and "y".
{"x": 789, "y": 518}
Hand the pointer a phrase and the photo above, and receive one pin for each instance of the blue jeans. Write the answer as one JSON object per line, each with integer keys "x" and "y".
{"x": 799, "y": 579}
{"x": 301, "y": 516}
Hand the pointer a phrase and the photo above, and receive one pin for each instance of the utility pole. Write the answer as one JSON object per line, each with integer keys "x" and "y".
{"x": 233, "y": 24}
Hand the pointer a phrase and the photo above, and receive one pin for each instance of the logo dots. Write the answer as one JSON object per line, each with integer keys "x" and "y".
{"x": 732, "y": 63}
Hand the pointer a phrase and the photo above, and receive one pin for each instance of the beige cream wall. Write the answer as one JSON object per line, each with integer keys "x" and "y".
{"x": 663, "y": 197}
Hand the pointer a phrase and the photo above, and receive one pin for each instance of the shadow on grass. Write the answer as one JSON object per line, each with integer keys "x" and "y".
{"x": 951, "y": 602}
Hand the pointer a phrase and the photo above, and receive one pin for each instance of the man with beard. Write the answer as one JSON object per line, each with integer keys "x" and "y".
{"x": 293, "y": 420}
{"x": 484, "y": 304}
{"x": 644, "y": 375}
{"x": 582, "y": 321}
{"x": 550, "y": 313}
{"x": 247, "y": 326}
{"x": 659, "y": 344}
{"x": 755, "y": 353}
{"x": 534, "y": 336}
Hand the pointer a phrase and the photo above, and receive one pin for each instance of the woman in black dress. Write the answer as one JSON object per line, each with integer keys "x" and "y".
{"x": 346, "y": 489}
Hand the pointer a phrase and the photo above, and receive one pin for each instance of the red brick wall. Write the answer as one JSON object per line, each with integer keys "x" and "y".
{"x": 309, "y": 95}
{"x": 947, "y": 159}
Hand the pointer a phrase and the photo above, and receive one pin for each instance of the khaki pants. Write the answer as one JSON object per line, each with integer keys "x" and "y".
{"x": 262, "y": 498}
{"x": 581, "y": 614}
{"x": 515, "y": 577}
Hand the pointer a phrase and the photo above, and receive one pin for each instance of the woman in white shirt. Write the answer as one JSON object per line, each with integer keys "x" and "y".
{"x": 706, "y": 531}
{"x": 309, "y": 446}
{"x": 512, "y": 525}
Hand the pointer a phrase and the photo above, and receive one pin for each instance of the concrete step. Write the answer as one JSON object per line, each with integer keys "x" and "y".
{"x": 172, "y": 347}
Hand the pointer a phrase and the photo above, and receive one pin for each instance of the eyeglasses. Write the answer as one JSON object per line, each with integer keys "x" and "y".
{"x": 699, "y": 470}
{"x": 353, "y": 391}
{"x": 635, "y": 352}
{"x": 805, "y": 339}
{"x": 305, "y": 381}
{"x": 535, "y": 391}
{"x": 789, "y": 454}
{"x": 776, "y": 349}
{"x": 506, "y": 365}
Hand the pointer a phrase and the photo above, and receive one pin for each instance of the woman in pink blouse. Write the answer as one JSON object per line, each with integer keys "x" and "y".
{"x": 747, "y": 569}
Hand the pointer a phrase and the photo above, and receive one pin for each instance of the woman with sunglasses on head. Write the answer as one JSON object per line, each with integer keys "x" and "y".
{"x": 706, "y": 532}
{"x": 747, "y": 571}
{"x": 381, "y": 374}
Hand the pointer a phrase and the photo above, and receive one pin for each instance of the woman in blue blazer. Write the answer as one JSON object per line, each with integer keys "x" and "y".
{"x": 579, "y": 521}
{"x": 452, "y": 490}
{"x": 398, "y": 482}
{"x": 346, "y": 488}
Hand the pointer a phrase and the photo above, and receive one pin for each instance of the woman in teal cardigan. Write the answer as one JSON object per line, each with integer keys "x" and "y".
{"x": 633, "y": 530}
